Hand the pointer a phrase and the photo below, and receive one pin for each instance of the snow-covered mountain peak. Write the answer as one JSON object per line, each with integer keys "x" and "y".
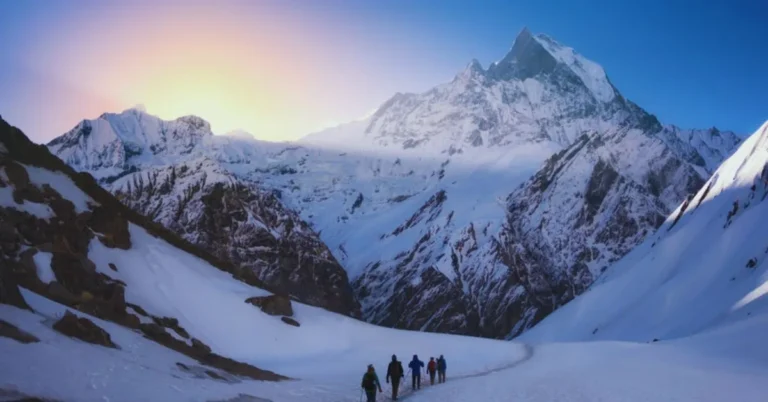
{"x": 527, "y": 59}
{"x": 705, "y": 267}
{"x": 473, "y": 69}
{"x": 113, "y": 139}
{"x": 532, "y": 55}
{"x": 591, "y": 73}
{"x": 540, "y": 92}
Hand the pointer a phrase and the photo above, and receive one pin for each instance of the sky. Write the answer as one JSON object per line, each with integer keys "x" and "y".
{"x": 283, "y": 69}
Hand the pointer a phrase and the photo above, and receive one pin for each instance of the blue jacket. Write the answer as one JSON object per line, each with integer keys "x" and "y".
{"x": 441, "y": 365}
{"x": 416, "y": 366}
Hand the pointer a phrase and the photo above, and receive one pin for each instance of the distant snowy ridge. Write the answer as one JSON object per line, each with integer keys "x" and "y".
{"x": 703, "y": 269}
{"x": 174, "y": 172}
{"x": 97, "y": 302}
{"x": 477, "y": 207}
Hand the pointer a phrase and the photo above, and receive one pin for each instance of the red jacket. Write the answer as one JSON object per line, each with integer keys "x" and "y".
{"x": 432, "y": 366}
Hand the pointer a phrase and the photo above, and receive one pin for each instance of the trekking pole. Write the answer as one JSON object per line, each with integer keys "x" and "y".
{"x": 361, "y": 395}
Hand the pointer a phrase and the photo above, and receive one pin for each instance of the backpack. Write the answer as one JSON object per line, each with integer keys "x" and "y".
{"x": 369, "y": 381}
{"x": 395, "y": 370}
{"x": 431, "y": 366}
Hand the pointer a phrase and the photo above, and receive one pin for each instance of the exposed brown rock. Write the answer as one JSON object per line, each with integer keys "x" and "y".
{"x": 59, "y": 293}
{"x": 83, "y": 329}
{"x": 28, "y": 261}
{"x": 171, "y": 323}
{"x": 7, "y": 232}
{"x": 117, "y": 299}
{"x": 155, "y": 332}
{"x": 202, "y": 353}
{"x": 200, "y": 347}
{"x": 290, "y": 321}
{"x": 273, "y": 304}
{"x": 239, "y": 368}
{"x": 10, "y": 240}
{"x": 112, "y": 267}
{"x": 16, "y": 173}
{"x": 132, "y": 321}
{"x": 9, "y": 290}
{"x": 137, "y": 309}
{"x": 112, "y": 227}
{"x": 214, "y": 375}
{"x": 9, "y": 330}
{"x": 16, "y": 396}
{"x": 68, "y": 236}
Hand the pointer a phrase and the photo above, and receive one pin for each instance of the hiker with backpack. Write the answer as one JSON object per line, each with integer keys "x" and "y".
{"x": 370, "y": 383}
{"x": 415, "y": 365}
{"x": 395, "y": 372}
{"x": 441, "y": 366}
{"x": 431, "y": 369}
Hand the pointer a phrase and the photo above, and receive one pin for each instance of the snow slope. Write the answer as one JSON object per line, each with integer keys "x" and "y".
{"x": 703, "y": 269}
{"x": 725, "y": 365}
{"x": 146, "y": 274}
{"x": 693, "y": 369}
{"x": 175, "y": 172}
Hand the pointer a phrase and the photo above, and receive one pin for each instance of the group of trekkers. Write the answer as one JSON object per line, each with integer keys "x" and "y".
{"x": 395, "y": 373}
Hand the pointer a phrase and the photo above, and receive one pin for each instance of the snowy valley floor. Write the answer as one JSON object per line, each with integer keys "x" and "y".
{"x": 728, "y": 364}
{"x": 328, "y": 353}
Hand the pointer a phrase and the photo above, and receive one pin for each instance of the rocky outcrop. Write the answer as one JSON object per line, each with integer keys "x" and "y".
{"x": 83, "y": 329}
{"x": 201, "y": 352}
{"x": 9, "y": 290}
{"x": 40, "y": 219}
{"x": 9, "y": 330}
{"x": 269, "y": 245}
{"x": 290, "y": 321}
{"x": 273, "y": 305}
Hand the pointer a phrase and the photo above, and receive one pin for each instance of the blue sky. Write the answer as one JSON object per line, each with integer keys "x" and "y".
{"x": 321, "y": 62}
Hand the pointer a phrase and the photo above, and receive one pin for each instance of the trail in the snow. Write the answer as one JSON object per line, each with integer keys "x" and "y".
{"x": 407, "y": 391}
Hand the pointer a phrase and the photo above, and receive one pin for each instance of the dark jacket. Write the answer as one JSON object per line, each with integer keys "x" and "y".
{"x": 416, "y": 366}
{"x": 370, "y": 382}
{"x": 395, "y": 371}
{"x": 441, "y": 365}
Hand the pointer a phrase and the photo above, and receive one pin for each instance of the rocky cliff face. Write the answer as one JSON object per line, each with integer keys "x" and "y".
{"x": 51, "y": 221}
{"x": 172, "y": 171}
{"x": 613, "y": 176}
{"x": 270, "y": 244}
{"x": 477, "y": 207}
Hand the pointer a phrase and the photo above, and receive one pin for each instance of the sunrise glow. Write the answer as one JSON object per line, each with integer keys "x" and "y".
{"x": 238, "y": 71}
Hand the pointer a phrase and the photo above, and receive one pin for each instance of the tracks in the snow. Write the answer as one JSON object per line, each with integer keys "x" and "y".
{"x": 407, "y": 392}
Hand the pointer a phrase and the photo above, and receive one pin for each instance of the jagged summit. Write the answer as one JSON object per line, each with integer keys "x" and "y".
{"x": 541, "y": 92}
{"x": 526, "y": 59}
{"x": 535, "y": 55}
{"x": 473, "y": 70}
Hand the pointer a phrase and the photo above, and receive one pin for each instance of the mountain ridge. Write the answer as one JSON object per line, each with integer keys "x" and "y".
{"x": 428, "y": 204}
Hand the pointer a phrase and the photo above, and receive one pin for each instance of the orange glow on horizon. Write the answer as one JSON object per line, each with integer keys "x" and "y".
{"x": 235, "y": 73}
